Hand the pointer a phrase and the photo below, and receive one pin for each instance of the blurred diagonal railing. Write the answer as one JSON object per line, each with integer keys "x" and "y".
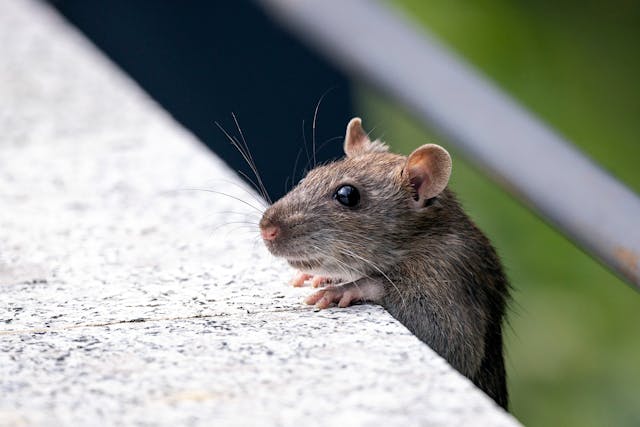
{"x": 542, "y": 169}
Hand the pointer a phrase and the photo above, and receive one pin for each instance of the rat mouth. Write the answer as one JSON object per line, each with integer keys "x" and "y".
{"x": 297, "y": 258}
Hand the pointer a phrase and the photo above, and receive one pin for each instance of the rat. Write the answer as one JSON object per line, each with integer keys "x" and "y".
{"x": 378, "y": 227}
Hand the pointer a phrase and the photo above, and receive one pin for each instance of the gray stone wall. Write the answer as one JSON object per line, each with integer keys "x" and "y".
{"x": 128, "y": 297}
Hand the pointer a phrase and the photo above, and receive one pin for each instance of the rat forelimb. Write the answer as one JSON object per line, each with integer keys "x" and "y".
{"x": 364, "y": 289}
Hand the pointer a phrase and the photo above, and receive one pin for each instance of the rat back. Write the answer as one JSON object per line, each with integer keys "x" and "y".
{"x": 452, "y": 294}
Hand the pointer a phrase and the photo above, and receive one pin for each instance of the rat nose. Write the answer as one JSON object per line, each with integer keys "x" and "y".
{"x": 270, "y": 232}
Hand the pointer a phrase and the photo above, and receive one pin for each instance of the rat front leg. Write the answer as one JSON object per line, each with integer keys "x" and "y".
{"x": 363, "y": 289}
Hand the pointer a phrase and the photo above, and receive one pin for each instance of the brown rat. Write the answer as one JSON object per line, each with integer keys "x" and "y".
{"x": 386, "y": 228}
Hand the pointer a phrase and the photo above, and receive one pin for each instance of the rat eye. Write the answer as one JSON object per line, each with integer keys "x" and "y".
{"x": 347, "y": 195}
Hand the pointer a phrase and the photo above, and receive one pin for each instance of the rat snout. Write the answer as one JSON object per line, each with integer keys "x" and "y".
{"x": 269, "y": 232}
{"x": 269, "y": 229}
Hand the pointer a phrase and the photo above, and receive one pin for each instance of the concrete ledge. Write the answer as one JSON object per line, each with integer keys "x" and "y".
{"x": 125, "y": 299}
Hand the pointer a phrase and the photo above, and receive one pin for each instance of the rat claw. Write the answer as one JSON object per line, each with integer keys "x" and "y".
{"x": 315, "y": 297}
{"x": 321, "y": 299}
{"x": 324, "y": 302}
{"x": 325, "y": 297}
{"x": 346, "y": 299}
{"x": 344, "y": 295}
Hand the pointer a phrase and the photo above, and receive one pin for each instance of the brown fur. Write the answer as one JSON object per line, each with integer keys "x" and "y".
{"x": 441, "y": 277}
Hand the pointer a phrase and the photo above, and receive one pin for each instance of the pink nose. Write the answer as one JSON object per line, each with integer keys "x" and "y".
{"x": 270, "y": 232}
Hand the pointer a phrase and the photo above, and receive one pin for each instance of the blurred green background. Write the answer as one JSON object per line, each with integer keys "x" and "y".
{"x": 573, "y": 339}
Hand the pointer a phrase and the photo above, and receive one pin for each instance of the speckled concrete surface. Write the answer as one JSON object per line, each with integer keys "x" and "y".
{"x": 126, "y": 297}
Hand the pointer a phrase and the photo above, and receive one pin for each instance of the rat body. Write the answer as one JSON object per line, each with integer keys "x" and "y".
{"x": 383, "y": 228}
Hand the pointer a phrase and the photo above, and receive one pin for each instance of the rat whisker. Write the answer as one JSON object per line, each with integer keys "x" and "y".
{"x": 250, "y": 225}
{"x": 244, "y": 223}
{"x": 286, "y": 184}
{"x": 236, "y": 144}
{"x": 245, "y": 176}
{"x": 315, "y": 118}
{"x": 295, "y": 166}
{"x": 326, "y": 141}
{"x": 304, "y": 145}
{"x": 251, "y": 228}
{"x": 354, "y": 255}
{"x": 246, "y": 155}
{"x": 344, "y": 267}
{"x": 243, "y": 214}
{"x": 256, "y": 239}
{"x": 253, "y": 163}
{"x": 242, "y": 186}
{"x": 260, "y": 211}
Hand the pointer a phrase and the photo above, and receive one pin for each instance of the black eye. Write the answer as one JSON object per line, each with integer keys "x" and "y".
{"x": 347, "y": 195}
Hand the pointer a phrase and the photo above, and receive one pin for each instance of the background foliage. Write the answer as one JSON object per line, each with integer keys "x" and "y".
{"x": 573, "y": 347}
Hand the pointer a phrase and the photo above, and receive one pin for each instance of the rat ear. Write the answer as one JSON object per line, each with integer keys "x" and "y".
{"x": 428, "y": 169}
{"x": 357, "y": 142}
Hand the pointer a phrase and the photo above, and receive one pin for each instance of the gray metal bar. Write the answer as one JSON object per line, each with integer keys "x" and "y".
{"x": 527, "y": 158}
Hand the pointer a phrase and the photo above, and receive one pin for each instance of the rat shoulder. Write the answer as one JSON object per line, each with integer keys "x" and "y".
{"x": 451, "y": 235}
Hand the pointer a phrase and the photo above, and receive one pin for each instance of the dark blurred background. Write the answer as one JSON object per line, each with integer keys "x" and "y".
{"x": 204, "y": 60}
{"x": 573, "y": 343}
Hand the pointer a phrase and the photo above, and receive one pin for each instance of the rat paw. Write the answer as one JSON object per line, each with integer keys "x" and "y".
{"x": 343, "y": 295}
{"x": 363, "y": 289}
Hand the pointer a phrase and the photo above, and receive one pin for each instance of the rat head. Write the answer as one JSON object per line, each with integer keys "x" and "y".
{"x": 354, "y": 217}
